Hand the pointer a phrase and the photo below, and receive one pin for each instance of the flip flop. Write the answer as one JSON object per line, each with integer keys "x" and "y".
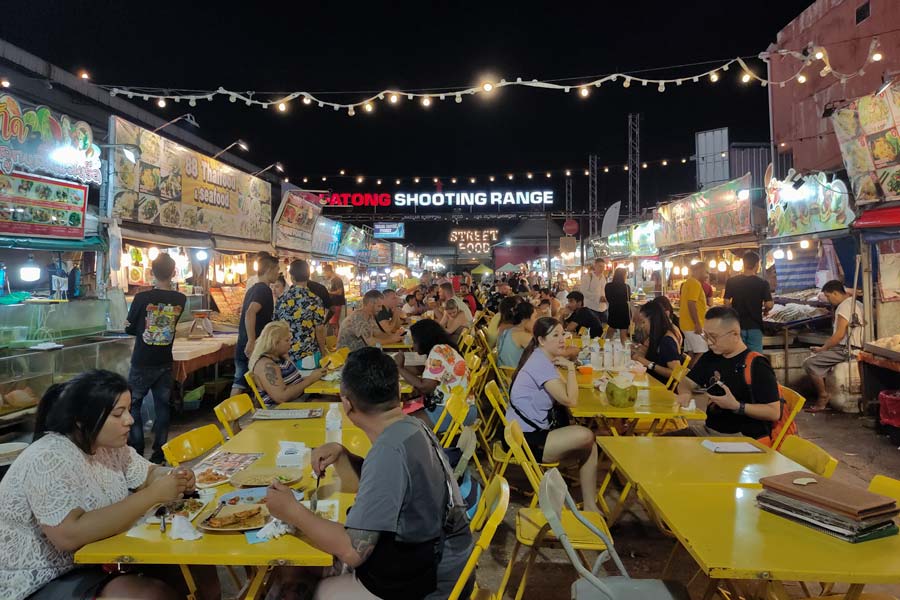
{"x": 817, "y": 409}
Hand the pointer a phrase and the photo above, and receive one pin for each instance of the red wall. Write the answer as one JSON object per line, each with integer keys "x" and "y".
{"x": 797, "y": 108}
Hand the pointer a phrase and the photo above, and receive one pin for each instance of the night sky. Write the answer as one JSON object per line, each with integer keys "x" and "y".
{"x": 338, "y": 46}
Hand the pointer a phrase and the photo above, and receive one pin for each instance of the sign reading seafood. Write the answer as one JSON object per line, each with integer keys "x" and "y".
{"x": 33, "y": 139}
{"x": 868, "y": 131}
{"x": 41, "y": 207}
{"x": 173, "y": 186}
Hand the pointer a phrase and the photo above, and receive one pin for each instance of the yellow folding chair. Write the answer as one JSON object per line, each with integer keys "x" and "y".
{"x": 532, "y": 528}
{"x": 488, "y": 516}
{"x": 457, "y": 408}
{"x": 794, "y": 404}
{"x": 251, "y": 381}
{"x": 678, "y": 374}
{"x": 886, "y": 486}
{"x": 465, "y": 342}
{"x": 192, "y": 444}
{"x": 473, "y": 361}
{"x": 231, "y": 409}
{"x": 809, "y": 455}
{"x": 497, "y": 454}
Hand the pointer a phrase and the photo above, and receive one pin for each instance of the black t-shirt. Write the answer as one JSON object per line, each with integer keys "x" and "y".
{"x": 321, "y": 291}
{"x": 666, "y": 352}
{"x": 585, "y": 317}
{"x": 337, "y": 289}
{"x": 747, "y": 293}
{"x": 152, "y": 319}
{"x": 262, "y": 294}
{"x": 731, "y": 372}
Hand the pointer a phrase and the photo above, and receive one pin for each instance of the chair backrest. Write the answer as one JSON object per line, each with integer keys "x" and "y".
{"x": 553, "y": 497}
{"x": 248, "y": 377}
{"x": 457, "y": 408}
{"x": 678, "y": 374}
{"x": 467, "y": 442}
{"x": 809, "y": 455}
{"x": 192, "y": 444}
{"x": 583, "y": 330}
{"x": 232, "y": 409}
{"x": 886, "y": 486}
{"x": 518, "y": 447}
{"x": 465, "y": 342}
{"x": 473, "y": 362}
{"x": 479, "y": 314}
{"x": 496, "y": 400}
{"x": 489, "y": 514}
{"x": 793, "y": 404}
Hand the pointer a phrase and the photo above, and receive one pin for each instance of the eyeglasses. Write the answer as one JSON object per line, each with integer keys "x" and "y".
{"x": 712, "y": 339}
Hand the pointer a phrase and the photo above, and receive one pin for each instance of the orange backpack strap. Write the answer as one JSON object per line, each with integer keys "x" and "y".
{"x": 778, "y": 425}
{"x": 748, "y": 363}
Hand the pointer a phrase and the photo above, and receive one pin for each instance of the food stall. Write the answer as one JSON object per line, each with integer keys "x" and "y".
{"x": 351, "y": 260}
{"x": 379, "y": 269}
{"x": 187, "y": 203}
{"x": 647, "y": 281}
{"x": 715, "y": 226}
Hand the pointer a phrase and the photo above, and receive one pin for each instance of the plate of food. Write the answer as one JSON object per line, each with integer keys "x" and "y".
{"x": 327, "y": 509}
{"x": 188, "y": 507}
{"x": 262, "y": 476}
{"x": 210, "y": 478}
{"x": 237, "y": 517}
{"x": 170, "y": 215}
{"x": 148, "y": 209}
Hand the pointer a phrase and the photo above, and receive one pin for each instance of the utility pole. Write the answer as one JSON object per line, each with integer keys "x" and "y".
{"x": 593, "y": 224}
{"x": 634, "y": 164}
{"x": 568, "y": 195}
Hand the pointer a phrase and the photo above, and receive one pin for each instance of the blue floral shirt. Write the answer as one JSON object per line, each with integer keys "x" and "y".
{"x": 303, "y": 311}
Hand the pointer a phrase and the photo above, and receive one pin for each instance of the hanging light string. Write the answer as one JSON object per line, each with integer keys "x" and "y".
{"x": 426, "y": 96}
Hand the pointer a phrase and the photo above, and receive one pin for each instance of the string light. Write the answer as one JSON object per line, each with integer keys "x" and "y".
{"x": 644, "y": 166}
{"x": 745, "y": 78}
{"x": 665, "y": 163}
{"x": 587, "y": 173}
{"x": 877, "y": 56}
{"x": 487, "y": 86}
{"x": 606, "y": 169}
{"x": 801, "y": 78}
{"x": 368, "y": 106}
{"x": 4, "y": 82}
{"x": 510, "y": 177}
{"x": 359, "y": 179}
{"x": 584, "y": 92}
{"x": 343, "y": 172}
{"x": 377, "y": 182}
{"x": 435, "y": 180}
{"x": 416, "y": 180}
{"x": 820, "y": 54}
{"x": 549, "y": 175}
{"x": 161, "y": 103}
{"x": 528, "y": 175}
{"x": 84, "y": 75}
{"x": 471, "y": 180}
{"x": 282, "y": 106}
{"x": 714, "y": 77}
{"x": 426, "y": 101}
{"x": 307, "y": 100}
{"x": 491, "y": 179}
{"x": 394, "y": 98}
{"x": 306, "y": 180}
{"x": 626, "y": 167}
{"x": 568, "y": 173}
{"x": 397, "y": 182}
{"x": 453, "y": 180}
{"x": 683, "y": 160}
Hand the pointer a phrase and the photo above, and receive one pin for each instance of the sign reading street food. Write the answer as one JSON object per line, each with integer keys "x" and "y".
{"x": 817, "y": 205}
{"x": 443, "y": 199}
{"x": 720, "y": 211}
{"x": 474, "y": 241}
{"x": 868, "y": 131}
{"x": 295, "y": 220}
{"x": 34, "y": 139}
{"x": 41, "y": 207}
{"x": 173, "y": 186}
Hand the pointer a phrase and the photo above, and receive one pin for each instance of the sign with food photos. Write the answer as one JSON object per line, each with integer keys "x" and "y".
{"x": 720, "y": 211}
{"x": 41, "y": 207}
{"x": 173, "y": 186}
{"x": 868, "y": 131}
{"x": 817, "y": 205}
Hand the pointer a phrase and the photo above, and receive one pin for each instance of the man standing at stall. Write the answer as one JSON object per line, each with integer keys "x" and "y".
{"x": 593, "y": 286}
{"x": 338, "y": 300}
{"x": 846, "y": 340}
{"x": 152, "y": 320}
{"x": 693, "y": 311}
{"x": 749, "y": 295}
{"x": 304, "y": 312}
{"x": 256, "y": 313}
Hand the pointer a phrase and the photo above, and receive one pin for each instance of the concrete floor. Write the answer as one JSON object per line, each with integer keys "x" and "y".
{"x": 860, "y": 451}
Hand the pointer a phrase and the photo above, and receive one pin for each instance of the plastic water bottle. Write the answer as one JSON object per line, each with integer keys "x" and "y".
{"x": 585, "y": 340}
{"x": 334, "y": 420}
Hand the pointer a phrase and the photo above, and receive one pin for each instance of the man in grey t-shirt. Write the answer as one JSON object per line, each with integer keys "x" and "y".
{"x": 407, "y": 535}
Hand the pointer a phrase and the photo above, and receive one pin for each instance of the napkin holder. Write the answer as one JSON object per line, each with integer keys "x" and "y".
{"x": 292, "y": 454}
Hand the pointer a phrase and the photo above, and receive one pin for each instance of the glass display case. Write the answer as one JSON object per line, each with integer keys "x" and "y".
{"x": 24, "y": 325}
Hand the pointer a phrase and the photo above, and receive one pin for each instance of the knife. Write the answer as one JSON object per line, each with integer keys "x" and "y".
{"x": 215, "y": 512}
{"x": 161, "y": 514}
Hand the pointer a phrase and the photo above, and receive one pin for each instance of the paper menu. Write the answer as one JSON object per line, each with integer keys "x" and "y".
{"x": 730, "y": 447}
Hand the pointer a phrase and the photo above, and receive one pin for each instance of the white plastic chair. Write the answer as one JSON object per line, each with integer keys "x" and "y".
{"x": 594, "y": 583}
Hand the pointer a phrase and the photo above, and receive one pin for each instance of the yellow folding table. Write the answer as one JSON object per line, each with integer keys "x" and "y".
{"x": 749, "y": 551}
{"x": 144, "y": 544}
{"x": 333, "y": 388}
{"x": 683, "y": 460}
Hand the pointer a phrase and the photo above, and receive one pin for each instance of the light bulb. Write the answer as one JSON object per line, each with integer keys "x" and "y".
{"x": 453, "y": 180}
{"x": 587, "y": 173}
{"x": 877, "y": 56}
{"x": 804, "y": 244}
{"x": 790, "y": 254}
{"x": 584, "y": 92}
{"x": 738, "y": 265}
{"x": 359, "y": 179}
{"x": 84, "y": 75}
{"x": 343, "y": 172}
{"x": 745, "y": 77}
{"x": 161, "y": 103}
{"x": 549, "y": 175}
{"x": 153, "y": 253}
{"x": 510, "y": 177}
{"x": 627, "y": 82}
{"x": 397, "y": 182}
{"x": 723, "y": 266}
{"x": 568, "y": 173}
{"x": 714, "y": 77}
{"x": 393, "y": 98}
{"x": 712, "y": 263}
{"x": 426, "y": 101}
{"x": 626, "y": 167}
{"x": 368, "y": 107}
{"x": 801, "y": 78}
{"x": 282, "y": 106}
{"x": 665, "y": 162}
{"x": 778, "y": 254}
{"x": 435, "y": 180}
{"x": 307, "y": 100}
{"x": 29, "y": 274}
{"x": 644, "y": 166}
{"x": 203, "y": 255}
{"x": 4, "y": 82}
{"x": 377, "y": 182}
{"x": 683, "y": 160}
{"x": 491, "y": 178}
{"x": 416, "y": 180}
{"x": 529, "y": 175}
{"x": 306, "y": 180}
{"x": 487, "y": 86}
{"x": 471, "y": 180}
{"x": 606, "y": 169}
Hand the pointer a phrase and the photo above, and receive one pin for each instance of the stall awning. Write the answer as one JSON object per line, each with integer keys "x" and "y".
{"x": 221, "y": 242}
{"x": 55, "y": 245}
{"x": 167, "y": 238}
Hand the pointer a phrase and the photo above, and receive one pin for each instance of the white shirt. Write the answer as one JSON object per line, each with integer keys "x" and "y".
{"x": 594, "y": 288}
{"x": 409, "y": 310}
{"x": 845, "y": 309}
{"x": 50, "y": 479}
{"x": 562, "y": 297}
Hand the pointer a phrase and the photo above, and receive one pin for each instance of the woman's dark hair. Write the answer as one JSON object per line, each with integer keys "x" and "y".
{"x": 660, "y": 325}
{"x": 427, "y": 334}
{"x": 666, "y": 305}
{"x": 619, "y": 275}
{"x": 522, "y": 312}
{"x": 507, "y": 309}
{"x": 542, "y": 328}
{"x": 79, "y": 410}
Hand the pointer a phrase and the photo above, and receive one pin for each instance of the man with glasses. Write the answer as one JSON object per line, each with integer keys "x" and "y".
{"x": 734, "y": 406}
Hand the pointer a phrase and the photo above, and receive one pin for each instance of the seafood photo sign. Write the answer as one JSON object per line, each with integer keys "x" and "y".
{"x": 868, "y": 131}
{"x": 818, "y": 205}
{"x": 41, "y": 207}
{"x": 173, "y": 186}
{"x": 30, "y": 137}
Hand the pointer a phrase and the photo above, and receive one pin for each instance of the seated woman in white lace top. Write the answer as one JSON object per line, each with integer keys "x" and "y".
{"x": 71, "y": 488}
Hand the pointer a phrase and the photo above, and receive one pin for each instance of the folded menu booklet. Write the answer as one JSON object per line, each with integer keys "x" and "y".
{"x": 778, "y": 503}
{"x": 851, "y": 501}
{"x": 886, "y": 529}
{"x": 288, "y": 413}
{"x": 730, "y": 447}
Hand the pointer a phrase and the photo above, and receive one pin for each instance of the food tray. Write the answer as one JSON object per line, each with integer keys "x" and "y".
{"x": 881, "y": 351}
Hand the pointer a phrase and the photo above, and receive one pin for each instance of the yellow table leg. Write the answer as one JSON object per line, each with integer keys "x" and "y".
{"x": 620, "y": 505}
{"x": 652, "y": 429}
{"x": 255, "y": 585}
{"x": 189, "y": 580}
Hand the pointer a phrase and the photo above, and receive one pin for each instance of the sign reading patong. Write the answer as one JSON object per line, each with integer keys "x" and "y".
{"x": 443, "y": 199}
{"x": 474, "y": 241}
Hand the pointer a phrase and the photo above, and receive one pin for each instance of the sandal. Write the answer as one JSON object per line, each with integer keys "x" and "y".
{"x": 817, "y": 409}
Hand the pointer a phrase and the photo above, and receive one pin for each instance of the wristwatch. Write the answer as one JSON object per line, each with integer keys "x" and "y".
{"x": 651, "y": 366}
{"x": 741, "y": 409}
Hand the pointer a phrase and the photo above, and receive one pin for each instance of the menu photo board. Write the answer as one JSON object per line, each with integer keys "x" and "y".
{"x": 42, "y": 207}
{"x": 380, "y": 254}
{"x": 868, "y": 131}
{"x": 643, "y": 239}
{"x": 173, "y": 186}
{"x": 818, "y": 205}
{"x": 326, "y": 237}
{"x": 295, "y": 220}
{"x": 388, "y": 231}
{"x": 352, "y": 242}
{"x": 719, "y": 212}
{"x": 398, "y": 254}
{"x": 619, "y": 243}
